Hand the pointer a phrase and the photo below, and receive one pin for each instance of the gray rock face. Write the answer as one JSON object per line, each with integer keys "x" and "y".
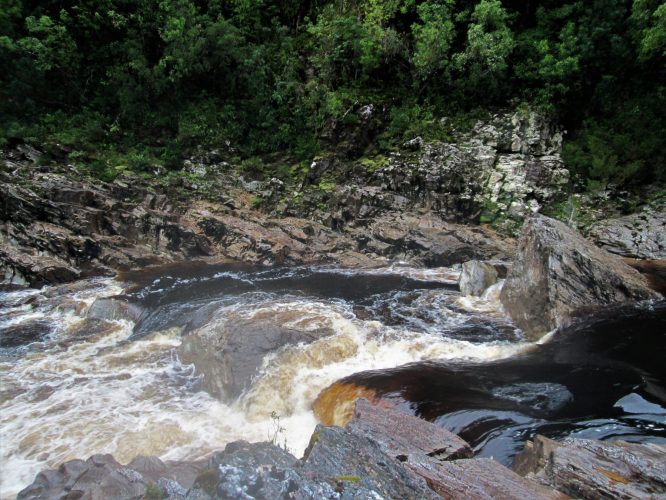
{"x": 361, "y": 467}
{"x": 229, "y": 353}
{"x": 476, "y": 277}
{"x": 641, "y": 235}
{"x": 592, "y": 469}
{"x": 556, "y": 271}
{"x": 101, "y": 476}
{"x": 338, "y": 465}
{"x": 114, "y": 309}
{"x": 404, "y": 437}
{"x": 508, "y": 166}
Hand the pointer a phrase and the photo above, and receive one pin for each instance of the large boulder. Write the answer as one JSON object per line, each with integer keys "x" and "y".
{"x": 556, "y": 271}
{"x": 590, "y": 469}
{"x": 229, "y": 353}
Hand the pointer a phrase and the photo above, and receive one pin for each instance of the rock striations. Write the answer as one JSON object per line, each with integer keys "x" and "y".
{"x": 381, "y": 453}
{"x": 556, "y": 272}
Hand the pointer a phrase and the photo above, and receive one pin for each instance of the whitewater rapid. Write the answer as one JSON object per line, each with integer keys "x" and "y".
{"x": 90, "y": 387}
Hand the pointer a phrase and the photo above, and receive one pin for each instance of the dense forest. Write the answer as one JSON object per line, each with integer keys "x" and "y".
{"x": 139, "y": 83}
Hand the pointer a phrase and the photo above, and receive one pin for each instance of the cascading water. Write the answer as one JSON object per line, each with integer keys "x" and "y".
{"x": 75, "y": 384}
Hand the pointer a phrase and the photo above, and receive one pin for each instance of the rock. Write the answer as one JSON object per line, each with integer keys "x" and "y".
{"x": 101, "y": 476}
{"x": 338, "y": 465}
{"x": 20, "y": 267}
{"x": 405, "y": 437}
{"x": 476, "y": 277}
{"x": 556, "y": 272}
{"x": 542, "y": 396}
{"x": 24, "y": 333}
{"x": 481, "y": 478}
{"x": 414, "y": 144}
{"x": 229, "y": 353}
{"x": 641, "y": 235}
{"x": 654, "y": 272}
{"x": 114, "y": 309}
{"x": 244, "y": 470}
{"x": 360, "y": 467}
{"x": 591, "y": 469}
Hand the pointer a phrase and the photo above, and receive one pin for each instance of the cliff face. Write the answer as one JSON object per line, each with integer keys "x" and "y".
{"x": 500, "y": 171}
{"x": 422, "y": 204}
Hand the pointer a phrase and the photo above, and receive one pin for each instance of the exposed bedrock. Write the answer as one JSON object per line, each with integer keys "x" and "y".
{"x": 382, "y": 452}
{"x": 590, "y": 469}
{"x": 556, "y": 272}
{"x": 641, "y": 235}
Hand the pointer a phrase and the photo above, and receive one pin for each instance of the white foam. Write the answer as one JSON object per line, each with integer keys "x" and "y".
{"x": 101, "y": 394}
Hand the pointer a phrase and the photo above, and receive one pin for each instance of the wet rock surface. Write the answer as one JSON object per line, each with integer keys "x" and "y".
{"x": 340, "y": 463}
{"x": 557, "y": 271}
{"x": 476, "y": 277}
{"x": 590, "y": 469}
{"x": 228, "y": 354}
{"x": 101, "y": 476}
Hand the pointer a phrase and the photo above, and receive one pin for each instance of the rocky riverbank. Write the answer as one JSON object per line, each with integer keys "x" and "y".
{"x": 381, "y": 453}
{"x": 423, "y": 205}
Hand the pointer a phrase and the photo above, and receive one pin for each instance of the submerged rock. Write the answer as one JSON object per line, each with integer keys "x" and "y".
{"x": 476, "y": 277}
{"x": 228, "y": 354}
{"x": 590, "y": 469}
{"x": 114, "y": 309}
{"x": 556, "y": 271}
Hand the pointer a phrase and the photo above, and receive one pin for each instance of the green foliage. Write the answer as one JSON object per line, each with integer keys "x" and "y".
{"x": 141, "y": 84}
{"x": 153, "y": 492}
{"x": 432, "y": 37}
{"x": 489, "y": 44}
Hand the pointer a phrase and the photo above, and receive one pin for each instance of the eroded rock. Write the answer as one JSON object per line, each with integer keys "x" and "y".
{"x": 557, "y": 271}
{"x": 589, "y": 469}
{"x": 228, "y": 354}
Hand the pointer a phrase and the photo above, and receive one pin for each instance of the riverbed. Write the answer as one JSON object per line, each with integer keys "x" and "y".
{"x": 74, "y": 385}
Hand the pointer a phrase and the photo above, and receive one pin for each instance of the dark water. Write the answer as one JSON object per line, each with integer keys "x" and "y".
{"x": 74, "y": 386}
{"x": 603, "y": 378}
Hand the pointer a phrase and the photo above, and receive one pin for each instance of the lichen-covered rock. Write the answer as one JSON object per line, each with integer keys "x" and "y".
{"x": 641, "y": 235}
{"x": 590, "y": 469}
{"x": 360, "y": 467}
{"x": 557, "y": 271}
{"x": 338, "y": 465}
{"x": 476, "y": 277}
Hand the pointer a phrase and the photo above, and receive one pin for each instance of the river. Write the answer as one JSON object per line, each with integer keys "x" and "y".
{"x": 73, "y": 385}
